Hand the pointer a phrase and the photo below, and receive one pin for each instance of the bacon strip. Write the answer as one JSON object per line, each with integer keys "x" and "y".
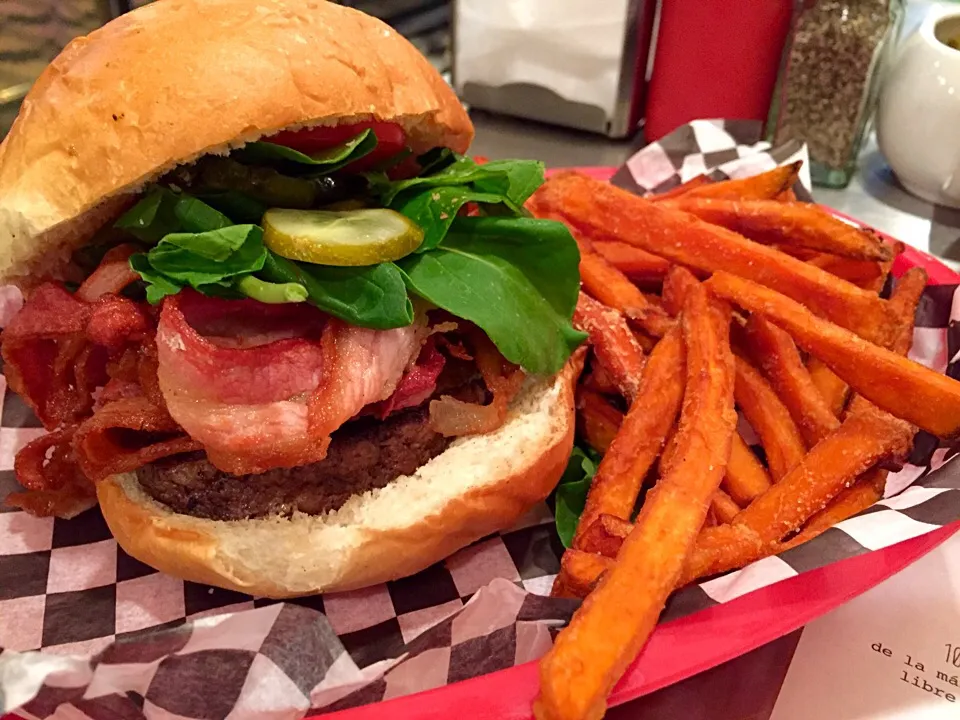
{"x": 417, "y": 384}
{"x": 126, "y": 434}
{"x": 55, "y": 486}
{"x": 111, "y": 276}
{"x": 40, "y": 348}
{"x": 260, "y": 405}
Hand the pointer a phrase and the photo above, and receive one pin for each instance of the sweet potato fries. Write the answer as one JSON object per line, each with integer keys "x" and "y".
{"x": 580, "y": 670}
{"x": 784, "y": 322}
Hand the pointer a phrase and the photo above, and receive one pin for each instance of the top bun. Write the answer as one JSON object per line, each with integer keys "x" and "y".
{"x": 178, "y": 79}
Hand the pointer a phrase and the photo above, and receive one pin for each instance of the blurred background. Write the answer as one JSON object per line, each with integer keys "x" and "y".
{"x": 587, "y": 82}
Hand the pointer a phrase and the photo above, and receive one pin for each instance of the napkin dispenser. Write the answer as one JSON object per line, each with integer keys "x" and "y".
{"x": 577, "y": 63}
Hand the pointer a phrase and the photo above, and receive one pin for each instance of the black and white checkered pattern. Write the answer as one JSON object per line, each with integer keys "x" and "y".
{"x": 143, "y": 643}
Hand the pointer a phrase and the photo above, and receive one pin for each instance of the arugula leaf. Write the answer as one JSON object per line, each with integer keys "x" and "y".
{"x": 321, "y": 163}
{"x": 516, "y": 278}
{"x": 435, "y": 209}
{"x": 435, "y": 159}
{"x": 196, "y": 216}
{"x": 462, "y": 171}
{"x": 373, "y": 296}
{"x": 158, "y": 285}
{"x": 571, "y": 494}
{"x": 523, "y": 177}
{"x": 163, "y": 211}
{"x": 198, "y": 259}
{"x": 512, "y": 180}
{"x": 152, "y": 217}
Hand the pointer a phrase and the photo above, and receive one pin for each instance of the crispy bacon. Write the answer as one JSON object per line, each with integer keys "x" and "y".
{"x": 41, "y": 345}
{"x": 111, "y": 276}
{"x": 64, "y": 502}
{"x": 38, "y": 464}
{"x": 257, "y": 402}
{"x": 417, "y": 384}
{"x": 54, "y": 483}
{"x": 126, "y": 434}
{"x": 115, "y": 321}
{"x": 452, "y": 417}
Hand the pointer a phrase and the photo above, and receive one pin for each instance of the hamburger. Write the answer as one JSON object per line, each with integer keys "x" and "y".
{"x": 275, "y": 322}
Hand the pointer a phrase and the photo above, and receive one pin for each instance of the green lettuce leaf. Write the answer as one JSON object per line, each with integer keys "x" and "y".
{"x": 296, "y": 162}
{"x": 516, "y": 278}
{"x": 523, "y": 178}
{"x": 514, "y": 180}
{"x": 163, "y": 211}
{"x": 374, "y": 296}
{"x": 435, "y": 209}
{"x": 152, "y": 217}
{"x": 434, "y": 160}
{"x": 158, "y": 285}
{"x": 198, "y": 259}
{"x": 571, "y": 494}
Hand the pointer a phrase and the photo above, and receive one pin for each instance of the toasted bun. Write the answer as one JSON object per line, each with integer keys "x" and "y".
{"x": 174, "y": 80}
{"x": 479, "y": 485}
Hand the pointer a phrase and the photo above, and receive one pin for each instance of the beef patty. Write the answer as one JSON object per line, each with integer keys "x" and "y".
{"x": 364, "y": 455}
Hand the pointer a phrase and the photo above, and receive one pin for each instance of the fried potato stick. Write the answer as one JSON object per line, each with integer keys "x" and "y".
{"x": 605, "y": 535}
{"x": 771, "y": 420}
{"x": 579, "y": 573}
{"x": 724, "y": 507}
{"x": 765, "y": 186}
{"x": 614, "y": 289}
{"x": 858, "y": 444}
{"x": 893, "y": 383}
{"x": 598, "y": 419}
{"x": 903, "y": 308}
{"x": 720, "y": 549}
{"x": 802, "y": 224}
{"x": 614, "y": 345}
{"x": 636, "y": 264}
{"x": 682, "y": 238}
{"x": 746, "y": 476}
{"x": 692, "y": 183}
{"x": 775, "y": 353}
{"x": 635, "y": 447}
{"x": 589, "y": 656}
{"x": 862, "y": 441}
{"x": 676, "y": 286}
{"x": 867, "y": 491}
{"x": 868, "y": 274}
{"x": 833, "y": 390}
{"x": 869, "y": 487}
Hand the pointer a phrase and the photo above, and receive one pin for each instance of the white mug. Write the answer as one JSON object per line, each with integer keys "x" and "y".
{"x": 918, "y": 115}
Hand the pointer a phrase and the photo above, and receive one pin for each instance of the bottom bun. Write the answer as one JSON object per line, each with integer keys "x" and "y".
{"x": 479, "y": 485}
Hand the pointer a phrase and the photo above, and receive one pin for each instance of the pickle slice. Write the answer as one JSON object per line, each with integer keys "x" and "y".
{"x": 344, "y": 238}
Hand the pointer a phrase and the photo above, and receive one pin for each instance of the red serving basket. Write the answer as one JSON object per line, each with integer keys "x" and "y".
{"x": 687, "y": 646}
{"x": 698, "y": 642}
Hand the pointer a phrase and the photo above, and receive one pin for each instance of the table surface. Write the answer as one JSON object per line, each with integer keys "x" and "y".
{"x": 874, "y": 196}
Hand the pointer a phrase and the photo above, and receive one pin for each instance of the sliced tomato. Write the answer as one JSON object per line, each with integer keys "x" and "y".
{"x": 390, "y": 140}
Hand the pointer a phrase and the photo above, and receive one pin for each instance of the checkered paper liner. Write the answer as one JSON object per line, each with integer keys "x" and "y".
{"x": 87, "y": 627}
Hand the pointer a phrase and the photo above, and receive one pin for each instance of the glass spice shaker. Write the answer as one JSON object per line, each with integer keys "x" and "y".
{"x": 829, "y": 78}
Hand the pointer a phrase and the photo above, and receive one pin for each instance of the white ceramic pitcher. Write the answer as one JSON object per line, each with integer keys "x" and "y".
{"x": 918, "y": 116}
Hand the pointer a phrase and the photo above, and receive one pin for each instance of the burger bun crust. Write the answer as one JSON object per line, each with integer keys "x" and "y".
{"x": 479, "y": 485}
{"x": 172, "y": 81}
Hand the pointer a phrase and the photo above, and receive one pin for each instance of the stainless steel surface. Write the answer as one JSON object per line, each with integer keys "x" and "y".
{"x": 536, "y": 103}
{"x": 874, "y": 196}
